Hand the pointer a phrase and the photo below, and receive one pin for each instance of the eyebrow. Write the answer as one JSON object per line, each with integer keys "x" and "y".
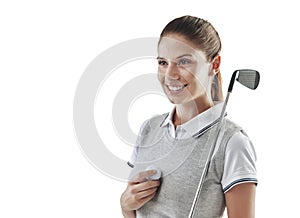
{"x": 189, "y": 55}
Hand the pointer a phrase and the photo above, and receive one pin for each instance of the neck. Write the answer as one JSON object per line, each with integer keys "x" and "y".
{"x": 187, "y": 111}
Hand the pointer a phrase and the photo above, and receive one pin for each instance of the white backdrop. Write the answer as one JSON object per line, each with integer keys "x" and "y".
{"x": 46, "y": 46}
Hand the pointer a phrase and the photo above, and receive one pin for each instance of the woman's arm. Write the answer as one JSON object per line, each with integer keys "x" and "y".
{"x": 240, "y": 201}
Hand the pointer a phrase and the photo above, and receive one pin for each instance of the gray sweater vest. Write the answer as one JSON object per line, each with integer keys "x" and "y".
{"x": 182, "y": 162}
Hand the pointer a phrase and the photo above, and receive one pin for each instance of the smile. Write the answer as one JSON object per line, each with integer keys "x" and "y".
{"x": 176, "y": 88}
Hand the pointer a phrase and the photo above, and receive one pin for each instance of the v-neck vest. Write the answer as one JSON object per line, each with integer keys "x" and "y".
{"x": 182, "y": 162}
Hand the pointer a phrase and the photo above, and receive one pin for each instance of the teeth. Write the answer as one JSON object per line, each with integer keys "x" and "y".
{"x": 176, "y": 88}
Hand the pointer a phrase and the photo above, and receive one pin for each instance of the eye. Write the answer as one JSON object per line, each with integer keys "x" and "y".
{"x": 184, "y": 61}
{"x": 162, "y": 62}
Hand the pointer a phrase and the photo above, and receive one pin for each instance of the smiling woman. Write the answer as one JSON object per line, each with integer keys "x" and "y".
{"x": 177, "y": 144}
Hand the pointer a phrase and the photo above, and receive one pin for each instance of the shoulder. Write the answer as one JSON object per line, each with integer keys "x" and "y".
{"x": 228, "y": 130}
{"x": 158, "y": 119}
{"x": 229, "y": 125}
{"x": 236, "y": 137}
{"x": 153, "y": 123}
{"x": 240, "y": 144}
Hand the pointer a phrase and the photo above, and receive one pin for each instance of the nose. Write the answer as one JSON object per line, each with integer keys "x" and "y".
{"x": 172, "y": 71}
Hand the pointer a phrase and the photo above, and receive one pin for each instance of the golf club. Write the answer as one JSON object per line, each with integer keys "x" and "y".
{"x": 248, "y": 78}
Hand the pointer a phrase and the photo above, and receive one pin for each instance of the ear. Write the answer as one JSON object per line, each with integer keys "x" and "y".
{"x": 215, "y": 65}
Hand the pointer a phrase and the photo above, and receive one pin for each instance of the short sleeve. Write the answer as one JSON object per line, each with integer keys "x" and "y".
{"x": 136, "y": 147}
{"x": 239, "y": 163}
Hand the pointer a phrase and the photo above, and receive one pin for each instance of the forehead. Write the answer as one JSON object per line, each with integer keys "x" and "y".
{"x": 174, "y": 46}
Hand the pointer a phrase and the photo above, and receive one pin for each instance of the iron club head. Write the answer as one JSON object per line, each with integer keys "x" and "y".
{"x": 248, "y": 78}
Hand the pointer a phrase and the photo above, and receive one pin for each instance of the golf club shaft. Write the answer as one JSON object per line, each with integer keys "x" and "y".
{"x": 248, "y": 78}
{"x": 207, "y": 163}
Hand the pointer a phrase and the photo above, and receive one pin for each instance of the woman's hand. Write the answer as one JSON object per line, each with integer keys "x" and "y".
{"x": 138, "y": 192}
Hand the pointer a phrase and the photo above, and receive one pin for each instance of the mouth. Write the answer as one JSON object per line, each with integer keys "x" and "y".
{"x": 176, "y": 88}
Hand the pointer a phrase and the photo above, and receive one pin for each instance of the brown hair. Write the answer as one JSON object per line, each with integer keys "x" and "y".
{"x": 205, "y": 37}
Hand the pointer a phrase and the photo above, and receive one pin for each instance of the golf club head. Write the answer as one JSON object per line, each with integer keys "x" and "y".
{"x": 248, "y": 78}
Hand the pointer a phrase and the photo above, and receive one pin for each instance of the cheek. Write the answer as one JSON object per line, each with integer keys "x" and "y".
{"x": 160, "y": 77}
{"x": 198, "y": 81}
{"x": 202, "y": 74}
{"x": 188, "y": 74}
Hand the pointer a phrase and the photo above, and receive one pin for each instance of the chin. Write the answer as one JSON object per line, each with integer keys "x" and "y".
{"x": 175, "y": 100}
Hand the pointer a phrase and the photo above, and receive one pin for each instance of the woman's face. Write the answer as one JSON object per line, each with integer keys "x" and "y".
{"x": 183, "y": 71}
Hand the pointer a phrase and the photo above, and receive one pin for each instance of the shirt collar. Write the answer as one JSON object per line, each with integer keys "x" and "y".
{"x": 198, "y": 123}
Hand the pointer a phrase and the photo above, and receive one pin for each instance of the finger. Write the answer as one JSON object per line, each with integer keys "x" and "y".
{"x": 146, "y": 193}
{"x": 146, "y": 199}
{"x": 147, "y": 185}
{"x": 136, "y": 188}
{"x": 142, "y": 176}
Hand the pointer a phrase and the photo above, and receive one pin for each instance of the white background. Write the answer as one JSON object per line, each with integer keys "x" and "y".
{"x": 46, "y": 46}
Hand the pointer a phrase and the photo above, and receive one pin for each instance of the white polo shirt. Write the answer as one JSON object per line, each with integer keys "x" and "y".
{"x": 240, "y": 156}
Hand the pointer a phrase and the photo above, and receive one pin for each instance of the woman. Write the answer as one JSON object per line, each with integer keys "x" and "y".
{"x": 178, "y": 142}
